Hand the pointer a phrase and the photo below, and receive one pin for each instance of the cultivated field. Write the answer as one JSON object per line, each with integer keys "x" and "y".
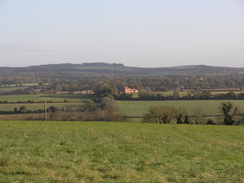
{"x": 209, "y": 107}
{"x": 120, "y": 152}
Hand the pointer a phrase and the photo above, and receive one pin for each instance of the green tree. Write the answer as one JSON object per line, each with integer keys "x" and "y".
{"x": 22, "y": 109}
{"x": 186, "y": 120}
{"x": 104, "y": 89}
{"x": 206, "y": 94}
{"x": 110, "y": 111}
{"x": 52, "y": 109}
{"x": 159, "y": 114}
{"x": 179, "y": 113}
{"x": 176, "y": 94}
{"x": 89, "y": 105}
{"x": 229, "y": 111}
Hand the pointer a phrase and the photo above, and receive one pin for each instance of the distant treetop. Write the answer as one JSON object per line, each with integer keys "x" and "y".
{"x": 101, "y": 64}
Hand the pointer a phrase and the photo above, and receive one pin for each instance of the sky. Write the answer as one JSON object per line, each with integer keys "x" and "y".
{"x": 141, "y": 33}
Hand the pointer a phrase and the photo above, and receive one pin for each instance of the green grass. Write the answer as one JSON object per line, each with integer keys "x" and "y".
{"x": 33, "y": 84}
{"x": 120, "y": 152}
{"x": 11, "y": 89}
{"x": 209, "y": 107}
{"x": 36, "y": 106}
{"x": 182, "y": 94}
{"x": 170, "y": 93}
{"x": 24, "y": 84}
{"x": 58, "y": 101}
{"x": 53, "y": 97}
{"x": 225, "y": 92}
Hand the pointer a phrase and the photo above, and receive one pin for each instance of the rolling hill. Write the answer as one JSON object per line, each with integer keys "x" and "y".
{"x": 120, "y": 69}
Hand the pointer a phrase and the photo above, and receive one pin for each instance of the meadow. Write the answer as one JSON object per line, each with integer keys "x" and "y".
{"x": 119, "y": 152}
{"x": 185, "y": 93}
{"x": 57, "y": 101}
{"x": 52, "y": 97}
{"x": 11, "y": 89}
{"x": 36, "y": 106}
{"x": 209, "y": 107}
{"x": 24, "y": 84}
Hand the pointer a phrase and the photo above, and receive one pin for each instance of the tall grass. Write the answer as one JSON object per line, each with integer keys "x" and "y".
{"x": 119, "y": 152}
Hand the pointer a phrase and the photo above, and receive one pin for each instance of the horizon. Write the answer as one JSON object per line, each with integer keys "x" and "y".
{"x": 136, "y": 33}
{"x": 113, "y": 63}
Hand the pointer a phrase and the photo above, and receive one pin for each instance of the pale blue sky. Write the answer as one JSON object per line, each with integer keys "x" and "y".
{"x": 143, "y": 33}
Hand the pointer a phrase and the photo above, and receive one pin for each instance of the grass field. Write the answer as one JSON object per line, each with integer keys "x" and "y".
{"x": 58, "y": 101}
{"x": 209, "y": 107}
{"x": 24, "y": 84}
{"x": 11, "y": 89}
{"x": 37, "y": 106}
{"x": 120, "y": 152}
{"x": 53, "y": 97}
{"x": 184, "y": 93}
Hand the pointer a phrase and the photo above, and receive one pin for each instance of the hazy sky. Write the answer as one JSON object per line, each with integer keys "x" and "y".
{"x": 155, "y": 33}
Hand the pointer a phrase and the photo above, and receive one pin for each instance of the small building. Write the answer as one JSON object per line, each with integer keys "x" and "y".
{"x": 128, "y": 90}
{"x": 84, "y": 92}
{"x": 37, "y": 90}
{"x": 78, "y": 92}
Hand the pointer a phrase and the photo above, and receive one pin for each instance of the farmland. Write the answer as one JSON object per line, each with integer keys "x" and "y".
{"x": 209, "y": 107}
{"x": 119, "y": 152}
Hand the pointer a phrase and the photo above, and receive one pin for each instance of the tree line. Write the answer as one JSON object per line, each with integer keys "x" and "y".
{"x": 194, "y": 95}
{"x": 167, "y": 115}
{"x": 103, "y": 109}
{"x": 144, "y": 83}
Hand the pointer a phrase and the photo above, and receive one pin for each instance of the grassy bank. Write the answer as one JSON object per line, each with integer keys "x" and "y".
{"x": 119, "y": 152}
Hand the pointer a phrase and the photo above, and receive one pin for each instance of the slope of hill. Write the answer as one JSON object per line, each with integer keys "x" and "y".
{"x": 107, "y": 68}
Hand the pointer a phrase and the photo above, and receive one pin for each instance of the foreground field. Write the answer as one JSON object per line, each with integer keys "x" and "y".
{"x": 209, "y": 107}
{"x": 120, "y": 152}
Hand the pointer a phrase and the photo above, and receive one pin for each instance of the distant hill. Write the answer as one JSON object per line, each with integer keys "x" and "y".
{"x": 118, "y": 69}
